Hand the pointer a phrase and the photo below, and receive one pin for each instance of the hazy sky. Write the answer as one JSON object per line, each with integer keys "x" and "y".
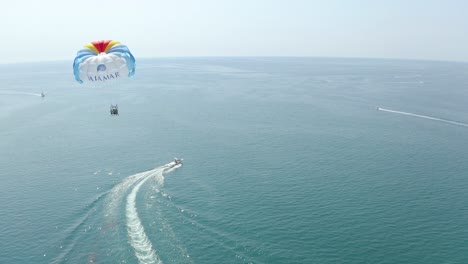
{"x": 55, "y": 29}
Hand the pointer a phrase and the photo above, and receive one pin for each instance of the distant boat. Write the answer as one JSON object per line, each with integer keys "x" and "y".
{"x": 176, "y": 162}
{"x": 42, "y": 94}
{"x": 114, "y": 109}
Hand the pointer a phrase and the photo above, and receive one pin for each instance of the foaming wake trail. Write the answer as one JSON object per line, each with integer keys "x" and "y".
{"x": 19, "y": 93}
{"x": 114, "y": 201}
{"x": 173, "y": 168}
{"x": 116, "y": 194}
{"x": 425, "y": 117}
{"x": 143, "y": 247}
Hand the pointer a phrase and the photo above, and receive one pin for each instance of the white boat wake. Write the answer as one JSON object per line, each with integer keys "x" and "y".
{"x": 142, "y": 246}
{"x": 423, "y": 116}
{"x": 19, "y": 93}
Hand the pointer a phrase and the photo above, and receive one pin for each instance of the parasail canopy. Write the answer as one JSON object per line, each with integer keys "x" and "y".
{"x": 103, "y": 61}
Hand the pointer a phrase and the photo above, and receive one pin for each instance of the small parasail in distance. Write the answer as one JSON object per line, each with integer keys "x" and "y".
{"x": 103, "y": 61}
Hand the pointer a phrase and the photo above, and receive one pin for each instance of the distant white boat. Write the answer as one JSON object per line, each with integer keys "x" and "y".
{"x": 176, "y": 162}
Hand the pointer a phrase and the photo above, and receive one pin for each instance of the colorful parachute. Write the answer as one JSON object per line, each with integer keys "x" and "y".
{"x": 103, "y": 61}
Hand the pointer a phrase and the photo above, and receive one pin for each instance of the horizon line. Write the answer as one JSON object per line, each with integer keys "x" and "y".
{"x": 260, "y": 56}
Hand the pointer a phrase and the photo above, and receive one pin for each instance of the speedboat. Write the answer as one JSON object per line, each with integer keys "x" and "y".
{"x": 176, "y": 162}
{"x": 42, "y": 94}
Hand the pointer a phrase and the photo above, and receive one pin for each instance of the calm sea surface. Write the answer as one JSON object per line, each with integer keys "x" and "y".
{"x": 286, "y": 160}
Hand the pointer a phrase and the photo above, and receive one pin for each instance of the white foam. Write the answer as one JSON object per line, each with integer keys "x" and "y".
{"x": 19, "y": 93}
{"x": 144, "y": 250}
{"x": 113, "y": 199}
{"x": 143, "y": 247}
{"x": 423, "y": 116}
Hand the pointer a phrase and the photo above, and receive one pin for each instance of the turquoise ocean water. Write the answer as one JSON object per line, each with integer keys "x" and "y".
{"x": 286, "y": 160}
